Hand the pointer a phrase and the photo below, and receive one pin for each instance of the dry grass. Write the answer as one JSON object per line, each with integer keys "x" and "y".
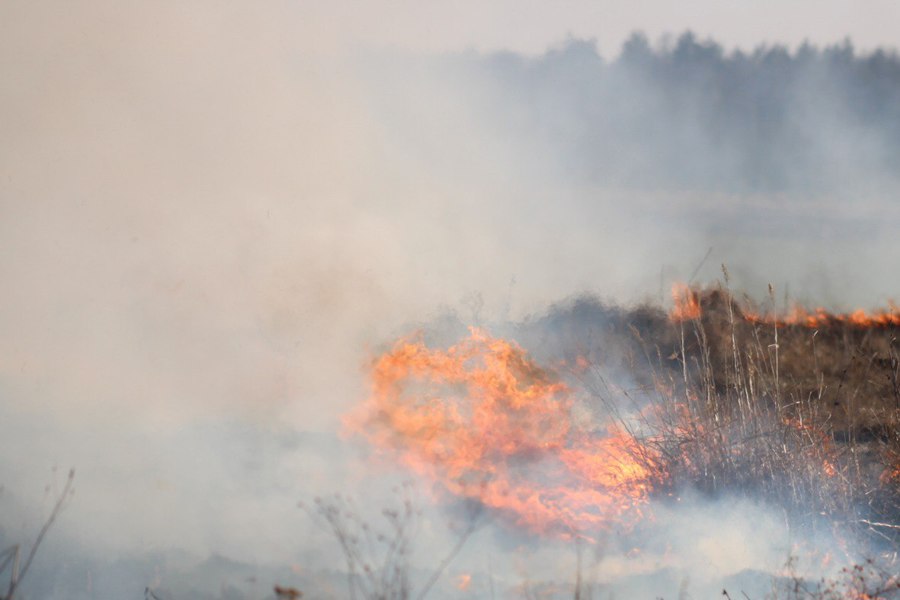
{"x": 377, "y": 554}
{"x": 805, "y": 419}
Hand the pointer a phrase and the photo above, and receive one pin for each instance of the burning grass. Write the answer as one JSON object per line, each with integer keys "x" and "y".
{"x": 618, "y": 409}
{"x": 803, "y": 411}
{"x": 489, "y": 424}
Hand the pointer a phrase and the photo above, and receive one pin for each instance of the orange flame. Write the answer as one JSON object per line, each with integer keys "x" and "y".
{"x": 488, "y": 424}
{"x": 686, "y": 305}
{"x": 463, "y": 582}
{"x": 821, "y": 445}
{"x": 819, "y": 317}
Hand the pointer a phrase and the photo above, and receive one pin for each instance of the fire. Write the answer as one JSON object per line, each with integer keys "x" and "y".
{"x": 487, "y": 423}
{"x": 821, "y": 449}
{"x": 819, "y": 317}
{"x": 686, "y": 307}
{"x": 463, "y": 582}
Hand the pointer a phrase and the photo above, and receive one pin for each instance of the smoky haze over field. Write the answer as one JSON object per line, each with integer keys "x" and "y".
{"x": 213, "y": 216}
{"x": 686, "y": 113}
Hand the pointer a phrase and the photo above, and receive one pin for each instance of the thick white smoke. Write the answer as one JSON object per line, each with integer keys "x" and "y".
{"x": 213, "y": 214}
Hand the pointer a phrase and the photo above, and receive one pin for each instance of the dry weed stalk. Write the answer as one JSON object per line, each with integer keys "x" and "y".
{"x": 12, "y": 555}
{"x": 378, "y": 558}
{"x": 787, "y": 414}
{"x": 869, "y": 580}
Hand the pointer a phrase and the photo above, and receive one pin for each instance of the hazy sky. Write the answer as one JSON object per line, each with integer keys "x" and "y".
{"x": 530, "y": 26}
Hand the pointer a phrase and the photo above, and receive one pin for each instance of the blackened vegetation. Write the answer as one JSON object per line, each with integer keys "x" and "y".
{"x": 687, "y": 114}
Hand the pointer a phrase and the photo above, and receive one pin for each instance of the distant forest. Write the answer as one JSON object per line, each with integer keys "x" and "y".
{"x": 685, "y": 113}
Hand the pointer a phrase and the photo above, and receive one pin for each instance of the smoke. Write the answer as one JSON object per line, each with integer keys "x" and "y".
{"x": 667, "y": 149}
{"x": 214, "y": 215}
{"x": 192, "y": 274}
{"x": 687, "y": 115}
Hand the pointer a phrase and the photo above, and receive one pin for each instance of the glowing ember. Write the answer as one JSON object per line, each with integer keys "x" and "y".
{"x": 488, "y": 424}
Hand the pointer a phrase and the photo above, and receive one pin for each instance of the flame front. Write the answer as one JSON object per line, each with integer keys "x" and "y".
{"x": 820, "y": 317}
{"x": 488, "y": 424}
{"x": 686, "y": 306}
